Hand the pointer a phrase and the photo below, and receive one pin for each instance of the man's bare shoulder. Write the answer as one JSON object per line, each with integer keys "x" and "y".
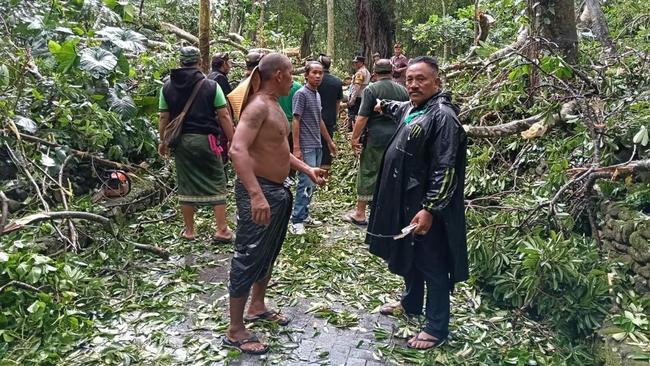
{"x": 255, "y": 112}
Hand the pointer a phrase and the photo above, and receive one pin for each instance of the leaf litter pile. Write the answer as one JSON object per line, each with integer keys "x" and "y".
{"x": 135, "y": 308}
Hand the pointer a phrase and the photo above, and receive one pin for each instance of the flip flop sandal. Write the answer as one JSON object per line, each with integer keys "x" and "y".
{"x": 218, "y": 240}
{"x": 435, "y": 343}
{"x": 349, "y": 218}
{"x": 271, "y": 316}
{"x": 182, "y": 235}
{"x": 238, "y": 344}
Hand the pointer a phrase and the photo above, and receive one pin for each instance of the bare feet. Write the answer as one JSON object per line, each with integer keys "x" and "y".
{"x": 424, "y": 340}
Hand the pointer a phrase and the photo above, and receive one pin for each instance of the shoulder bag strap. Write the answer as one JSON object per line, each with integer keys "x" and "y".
{"x": 189, "y": 102}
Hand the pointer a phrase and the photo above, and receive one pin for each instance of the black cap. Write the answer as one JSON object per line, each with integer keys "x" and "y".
{"x": 359, "y": 59}
{"x": 253, "y": 59}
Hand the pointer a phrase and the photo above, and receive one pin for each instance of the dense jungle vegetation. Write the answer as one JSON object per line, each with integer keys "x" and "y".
{"x": 554, "y": 94}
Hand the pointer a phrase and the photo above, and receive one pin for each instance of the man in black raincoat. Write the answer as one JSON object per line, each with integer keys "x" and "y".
{"x": 421, "y": 182}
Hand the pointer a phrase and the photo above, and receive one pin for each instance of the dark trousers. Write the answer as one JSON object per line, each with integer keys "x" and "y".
{"x": 430, "y": 267}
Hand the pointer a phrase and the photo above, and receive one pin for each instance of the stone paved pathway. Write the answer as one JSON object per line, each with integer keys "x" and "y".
{"x": 308, "y": 340}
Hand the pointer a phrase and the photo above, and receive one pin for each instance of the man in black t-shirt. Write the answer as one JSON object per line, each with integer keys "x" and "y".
{"x": 331, "y": 94}
{"x": 220, "y": 69}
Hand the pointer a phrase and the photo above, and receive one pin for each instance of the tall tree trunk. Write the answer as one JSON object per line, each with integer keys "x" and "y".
{"x": 233, "y": 7}
{"x": 305, "y": 41}
{"x": 556, "y": 21}
{"x": 307, "y": 10}
{"x": 330, "y": 28}
{"x": 204, "y": 34}
{"x": 593, "y": 18}
{"x": 260, "y": 26}
{"x": 256, "y": 34}
{"x": 376, "y": 20}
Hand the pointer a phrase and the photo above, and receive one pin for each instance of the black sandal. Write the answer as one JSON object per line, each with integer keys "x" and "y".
{"x": 435, "y": 342}
{"x": 271, "y": 316}
{"x": 252, "y": 339}
{"x": 349, "y": 218}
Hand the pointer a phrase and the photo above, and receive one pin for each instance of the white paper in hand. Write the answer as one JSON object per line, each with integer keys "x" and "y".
{"x": 405, "y": 231}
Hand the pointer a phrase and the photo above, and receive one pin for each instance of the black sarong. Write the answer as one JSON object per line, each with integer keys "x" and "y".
{"x": 258, "y": 246}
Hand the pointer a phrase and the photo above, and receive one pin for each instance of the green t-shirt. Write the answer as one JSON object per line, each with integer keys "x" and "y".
{"x": 380, "y": 127}
{"x": 286, "y": 102}
{"x": 219, "y": 100}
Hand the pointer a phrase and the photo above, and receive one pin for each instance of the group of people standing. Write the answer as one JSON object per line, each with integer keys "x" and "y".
{"x": 412, "y": 156}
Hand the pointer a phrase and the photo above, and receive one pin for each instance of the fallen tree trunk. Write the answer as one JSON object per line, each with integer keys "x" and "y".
{"x": 81, "y": 154}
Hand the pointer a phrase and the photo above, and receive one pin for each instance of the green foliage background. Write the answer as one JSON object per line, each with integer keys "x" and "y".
{"x": 81, "y": 73}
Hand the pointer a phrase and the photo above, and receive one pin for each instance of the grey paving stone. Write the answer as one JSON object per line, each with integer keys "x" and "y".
{"x": 355, "y": 362}
{"x": 360, "y": 353}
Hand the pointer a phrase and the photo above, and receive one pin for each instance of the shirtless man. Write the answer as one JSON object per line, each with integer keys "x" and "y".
{"x": 261, "y": 157}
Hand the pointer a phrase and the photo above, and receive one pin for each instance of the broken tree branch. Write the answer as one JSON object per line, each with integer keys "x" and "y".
{"x": 180, "y": 33}
{"x": 81, "y": 154}
{"x": 233, "y": 44}
{"x": 20, "y": 285}
{"x": 152, "y": 249}
{"x": 64, "y": 199}
{"x": 517, "y": 126}
{"x": 57, "y": 215}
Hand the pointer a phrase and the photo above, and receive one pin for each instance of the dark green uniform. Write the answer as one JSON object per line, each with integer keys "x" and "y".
{"x": 380, "y": 129}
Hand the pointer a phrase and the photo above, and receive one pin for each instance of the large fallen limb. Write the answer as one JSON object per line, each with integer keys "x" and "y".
{"x": 501, "y": 130}
{"x": 520, "y": 125}
{"x": 180, "y": 33}
{"x": 56, "y": 215}
{"x": 156, "y": 44}
{"x": 522, "y": 36}
{"x": 82, "y": 154}
{"x": 233, "y": 44}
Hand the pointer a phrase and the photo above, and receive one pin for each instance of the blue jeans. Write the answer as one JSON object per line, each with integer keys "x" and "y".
{"x": 311, "y": 157}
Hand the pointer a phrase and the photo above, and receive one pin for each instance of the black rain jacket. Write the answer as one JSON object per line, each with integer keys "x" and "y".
{"x": 423, "y": 167}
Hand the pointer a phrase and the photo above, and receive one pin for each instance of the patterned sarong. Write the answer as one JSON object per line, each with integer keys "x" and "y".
{"x": 369, "y": 164}
{"x": 199, "y": 172}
